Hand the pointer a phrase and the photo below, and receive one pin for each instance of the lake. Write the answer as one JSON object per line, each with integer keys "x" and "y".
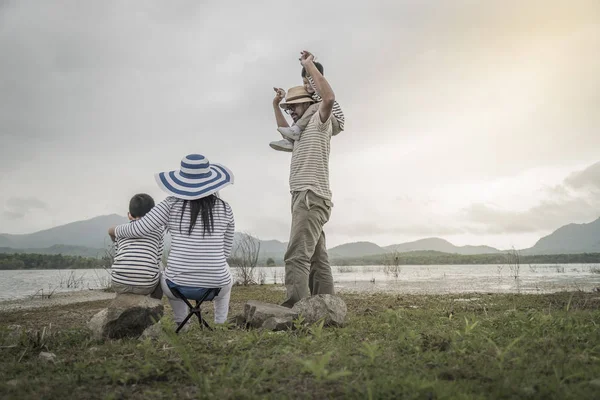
{"x": 416, "y": 279}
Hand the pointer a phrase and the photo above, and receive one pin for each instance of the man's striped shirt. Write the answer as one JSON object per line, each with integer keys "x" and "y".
{"x": 197, "y": 260}
{"x": 309, "y": 169}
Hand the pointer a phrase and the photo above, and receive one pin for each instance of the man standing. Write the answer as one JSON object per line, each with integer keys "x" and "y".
{"x": 307, "y": 269}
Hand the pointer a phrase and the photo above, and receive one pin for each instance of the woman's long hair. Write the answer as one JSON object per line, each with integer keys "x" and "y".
{"x": 203, "y": 207}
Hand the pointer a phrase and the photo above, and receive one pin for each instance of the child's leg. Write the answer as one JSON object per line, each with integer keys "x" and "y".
{"x": 293, "y": 132}
{"x": 305, "y": 119}
{"x": 157, "y": 293}
{"x": 222, "y": 304}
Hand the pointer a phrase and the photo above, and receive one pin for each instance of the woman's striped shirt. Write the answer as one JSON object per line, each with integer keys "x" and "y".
{"x": 197, "y": 260}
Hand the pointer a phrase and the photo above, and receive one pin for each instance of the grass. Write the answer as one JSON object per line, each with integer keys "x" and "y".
{"x": 393, "y": 346}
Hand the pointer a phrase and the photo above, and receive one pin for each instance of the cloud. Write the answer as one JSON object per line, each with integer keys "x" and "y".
{"x": 106, "y": 93}
{"x": 18, "y": 207}
{"x": 12, "y": 215}
{"x": 576, "y": 199}
{"x": 589, "y": 178}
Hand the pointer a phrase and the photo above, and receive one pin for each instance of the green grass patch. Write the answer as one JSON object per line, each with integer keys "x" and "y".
{"x": 475, "y": 346}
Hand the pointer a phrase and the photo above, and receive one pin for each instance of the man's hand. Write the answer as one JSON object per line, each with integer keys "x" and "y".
{"x": 279, "y": 95}
{"x": 306, "y": 57}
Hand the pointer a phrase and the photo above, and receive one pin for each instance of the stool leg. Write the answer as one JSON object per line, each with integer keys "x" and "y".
{"x": 184, "y": 321}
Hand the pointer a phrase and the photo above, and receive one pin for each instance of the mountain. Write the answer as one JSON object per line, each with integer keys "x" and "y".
{"x": 90, "y": 236}
{"x": 437, "y": 244}
{"x": 356, "y": 249}
{"x": 268, "y": 248}
{"x": 569, "y": 239}
{"x": 88, "y": 233}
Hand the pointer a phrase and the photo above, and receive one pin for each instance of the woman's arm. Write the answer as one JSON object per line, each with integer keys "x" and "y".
{"x": 155, "y": 219}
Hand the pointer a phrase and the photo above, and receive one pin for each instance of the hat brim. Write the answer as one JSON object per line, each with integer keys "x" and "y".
{"x": 184, "y": 188}
{"x": 297, "y": 101}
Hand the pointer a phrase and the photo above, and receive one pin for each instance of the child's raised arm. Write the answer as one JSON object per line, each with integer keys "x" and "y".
{"x": 279, "y": 117}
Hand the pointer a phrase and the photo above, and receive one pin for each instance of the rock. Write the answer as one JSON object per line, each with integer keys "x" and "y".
{"x": 269, "y": 316}
{"x": 13, "y": 383}
{"x": 96, "y": 324}
{"x": 47, "y": 356}
{"x": 128, "y": 315}
{"x": 238, "y": 320}
{"x": 332, "y": 309}
{"x": 278, "y": 323}
{"x": 153, "y": 332}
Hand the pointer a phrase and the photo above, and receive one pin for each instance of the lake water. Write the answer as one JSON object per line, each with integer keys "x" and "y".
{"x": 423, "y": 279}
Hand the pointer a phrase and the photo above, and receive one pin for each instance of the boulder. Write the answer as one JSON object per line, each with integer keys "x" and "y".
{"x": 332, "y": 309}
{"x": 238, "y": 320}
{"x": 269, "y": 316}
{"x": 153, "y": 332}
{"x": 128, "y": 315}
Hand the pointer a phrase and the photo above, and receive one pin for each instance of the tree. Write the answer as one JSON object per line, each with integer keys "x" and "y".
{"x": 245, "y": 258}
{"x": 270, "y": 262}
{"x": 392, "y": 264}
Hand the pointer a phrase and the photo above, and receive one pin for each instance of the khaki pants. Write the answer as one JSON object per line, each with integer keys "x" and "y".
{"x": 154, "y": 292}
{"x": 307, "y": 269}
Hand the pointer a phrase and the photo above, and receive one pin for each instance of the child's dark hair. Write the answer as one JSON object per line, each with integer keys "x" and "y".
{"x": 319, "y": 67}
{"x": 140, "y": 204}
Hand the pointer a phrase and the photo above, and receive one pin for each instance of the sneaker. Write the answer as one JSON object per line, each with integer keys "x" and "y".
{"x": 292, "y": 133}
{"x": 282, "y": 145}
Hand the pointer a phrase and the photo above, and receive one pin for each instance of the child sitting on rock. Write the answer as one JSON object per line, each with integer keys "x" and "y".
{"x": 136, "y": 267}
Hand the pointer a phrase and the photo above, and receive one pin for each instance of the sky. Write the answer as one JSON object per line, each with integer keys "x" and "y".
{"x": 472, "y": 121}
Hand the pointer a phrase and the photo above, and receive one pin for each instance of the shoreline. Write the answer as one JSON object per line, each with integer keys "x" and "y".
{"x": 57, "y": 299}
{"x": 92, "y": 295}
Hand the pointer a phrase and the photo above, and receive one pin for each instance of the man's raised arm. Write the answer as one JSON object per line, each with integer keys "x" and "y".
{"x": 323, "y": 88}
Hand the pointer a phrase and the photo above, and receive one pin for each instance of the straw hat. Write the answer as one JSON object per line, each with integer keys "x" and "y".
{"x": 296, "y": 95}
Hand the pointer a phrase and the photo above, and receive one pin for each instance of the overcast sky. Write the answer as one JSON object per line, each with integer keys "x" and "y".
{"x": 475, "y": 121}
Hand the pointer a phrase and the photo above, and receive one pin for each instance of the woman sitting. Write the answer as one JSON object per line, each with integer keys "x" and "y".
{"x": 201, "y": 227}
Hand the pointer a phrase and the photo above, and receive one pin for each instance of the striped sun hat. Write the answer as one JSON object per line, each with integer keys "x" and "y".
{"x": 197, "y": 178}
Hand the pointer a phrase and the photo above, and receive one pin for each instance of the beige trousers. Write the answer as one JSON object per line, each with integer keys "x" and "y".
{"x": 307, "y": 269}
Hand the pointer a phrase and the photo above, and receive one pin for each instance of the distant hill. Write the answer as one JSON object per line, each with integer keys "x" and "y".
{"x": 441, "y": 245}
{"x": 569, "y": 239}
{"x": 356, "y": 249}
{"x": 91, "y": 233}
{"x": 268, "y": 248}
{"x": 89, "y": 237}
